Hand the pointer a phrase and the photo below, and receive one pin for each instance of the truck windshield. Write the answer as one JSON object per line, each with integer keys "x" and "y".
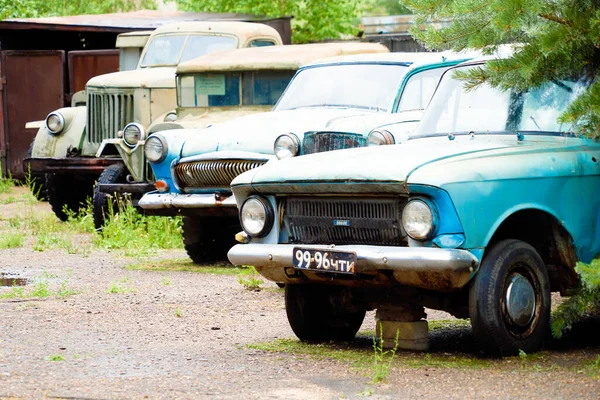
{"x": 487, "y": 110}
{"x": 256, "y": 88}
{"x": 369, "y": 86}
{"x": 170, "y": 50}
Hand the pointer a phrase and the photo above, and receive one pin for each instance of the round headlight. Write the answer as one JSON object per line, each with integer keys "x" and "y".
{"x": 133, "y": 133}
{"x": 286, "y": 146}
{"x": 418, "y": 219}
{"x": 55, "y": 123}
{"x": 256, "y": 216}
{"x": 380, "y": 137}
{"x": 155, "y": 148}
{"x": 170, "y": 117}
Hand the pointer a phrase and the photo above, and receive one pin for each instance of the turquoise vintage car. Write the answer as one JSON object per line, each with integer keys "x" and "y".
{"x": 482, "y": 213}
{"x": 328, "y": 105}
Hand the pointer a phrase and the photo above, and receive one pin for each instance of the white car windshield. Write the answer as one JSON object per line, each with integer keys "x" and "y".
{"x": 369, "y": 86}
{"x": 454, "y": 110}
{"x": 170, "y": 50}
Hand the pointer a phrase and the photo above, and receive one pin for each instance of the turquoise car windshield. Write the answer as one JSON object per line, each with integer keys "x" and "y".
{"x": 486, "y": 110}
{"x": 370, "y": 86}
{"x": 253, "y": 88}
{"x": 170, "y": 50}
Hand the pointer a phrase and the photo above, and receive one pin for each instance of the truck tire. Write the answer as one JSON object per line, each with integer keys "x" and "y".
{"x": 509, "y": 300}
{"x": 316, "y": 316}
{"x": 208, "y": 239}
{"x": 37, "y": 182}
{"x": 71, "y": 191}
{"x": 100, "y": 204}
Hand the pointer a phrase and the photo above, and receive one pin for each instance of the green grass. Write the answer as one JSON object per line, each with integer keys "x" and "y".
{"x": 178, "y": 313}
{"x": 41, "y": 288}
{"x": 121, "y": 286}
{"x": 56, "y": 357}
{"x": 183, "y": 265}
{"x": 248, "y": 277}
{"x": 6, "y": 184}
{"x": 11, "y": 240}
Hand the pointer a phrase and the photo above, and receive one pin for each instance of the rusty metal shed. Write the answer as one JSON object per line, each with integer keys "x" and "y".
{"x": 44, "y": 61}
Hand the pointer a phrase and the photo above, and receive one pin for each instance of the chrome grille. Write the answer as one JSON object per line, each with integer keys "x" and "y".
{"x": 107, "y": 113}
{"x": 212, "y": 173}
{"x": 318, "y": 142}
{"x": 319, "y": 220}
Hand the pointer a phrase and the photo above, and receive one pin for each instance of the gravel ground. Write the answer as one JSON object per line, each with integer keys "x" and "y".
{"x": 187, "y": 335}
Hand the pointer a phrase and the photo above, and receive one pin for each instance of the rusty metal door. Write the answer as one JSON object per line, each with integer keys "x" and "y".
{"x": 34, "y": 85}
{"x": 85, "y": 64}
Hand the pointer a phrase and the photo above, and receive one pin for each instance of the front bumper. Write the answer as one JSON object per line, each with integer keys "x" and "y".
{"x": 208, "y": 204}
{"x": 66, "y": 165}
{"x": 427, "y": 268}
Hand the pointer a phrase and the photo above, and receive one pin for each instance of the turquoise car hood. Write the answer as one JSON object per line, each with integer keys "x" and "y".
{"x": 257, "y": 133}
{"x": 431, "y": 161}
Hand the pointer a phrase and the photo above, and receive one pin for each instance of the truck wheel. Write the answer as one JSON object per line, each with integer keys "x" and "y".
{"x": 100, "y": 204}
{"x": 315, "y": 315}
{"x": 37, "y": 182}
{"x": 208, "y": 239}
{"x": 68, "y": 190}
{"x": 509, "y": 300}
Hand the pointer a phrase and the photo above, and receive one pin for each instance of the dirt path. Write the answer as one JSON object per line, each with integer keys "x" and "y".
{"x": 166, "y": 335}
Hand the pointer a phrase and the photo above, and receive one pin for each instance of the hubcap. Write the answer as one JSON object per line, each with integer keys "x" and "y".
{"x": 520, "y": 300}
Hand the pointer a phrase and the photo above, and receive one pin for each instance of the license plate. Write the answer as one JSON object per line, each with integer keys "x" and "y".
{"x": 324, "y": 260}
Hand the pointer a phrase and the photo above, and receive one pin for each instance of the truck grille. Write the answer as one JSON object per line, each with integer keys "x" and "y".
{"x": 318, "y": 142}
{"x": 212, "y": 173}
{"x": 345, "y": 220}
{"x": 107, "y": 114}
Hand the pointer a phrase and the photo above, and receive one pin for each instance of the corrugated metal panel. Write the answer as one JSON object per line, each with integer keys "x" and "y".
{"x": 26, "y": 72}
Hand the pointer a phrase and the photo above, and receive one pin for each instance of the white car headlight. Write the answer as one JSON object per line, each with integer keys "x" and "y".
{"x": 133, "y": 133}
{"x": 155, "y": 148}
{"x": 286, "y": 146}
{"x": 380, "y": 137}
{"x": 256, "y": 216}
{"x": 55, "y": 123}
{"x": 418, "y": 219}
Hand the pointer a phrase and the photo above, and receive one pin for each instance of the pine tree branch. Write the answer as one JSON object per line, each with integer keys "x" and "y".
{"x": 554, "y": 18}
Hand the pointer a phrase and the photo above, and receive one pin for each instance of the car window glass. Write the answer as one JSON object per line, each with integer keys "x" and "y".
{"x": 198, "y": 45}
{"x": 371, "y": 86}
{"x": 261, "y": 43}
{"x": 419, "y": 89}
{"x": 163, "y": 50}
{"x": 264, "y": 87}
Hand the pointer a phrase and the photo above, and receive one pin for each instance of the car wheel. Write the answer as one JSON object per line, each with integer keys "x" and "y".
{"x": 316, "y": 313}
{"x": 509, "y": 300}
{"x": 208, "y": 239}
{"x": 68, "y": 191}
{"x": 37, "y": 183}
{"x": 103, "y": 203}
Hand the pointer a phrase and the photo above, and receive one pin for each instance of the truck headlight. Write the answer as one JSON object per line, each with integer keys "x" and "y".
{"x": 286, "y": 146}
{"x": 418, "y": 219}
{"x": 133, "y": 133}
{"x": 380, "y": 137}
{"x": 256, "y": 216}
{"x": 55, "y": 123}
{"x": 155, "y": 148}
{"x": 170, "y": 117}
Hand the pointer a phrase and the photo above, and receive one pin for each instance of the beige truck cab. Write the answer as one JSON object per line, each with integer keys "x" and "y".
{"x": 65, "y": 146}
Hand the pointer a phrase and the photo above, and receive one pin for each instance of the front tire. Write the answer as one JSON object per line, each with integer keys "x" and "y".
{"x": 71, "y": 191}
{"x": 37, "y": 182}
{"x": 317, "y": 313}
{"x": 113, "y": 174}
{"x": 509, "y": 300}
{"x": 208, "y": 239}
